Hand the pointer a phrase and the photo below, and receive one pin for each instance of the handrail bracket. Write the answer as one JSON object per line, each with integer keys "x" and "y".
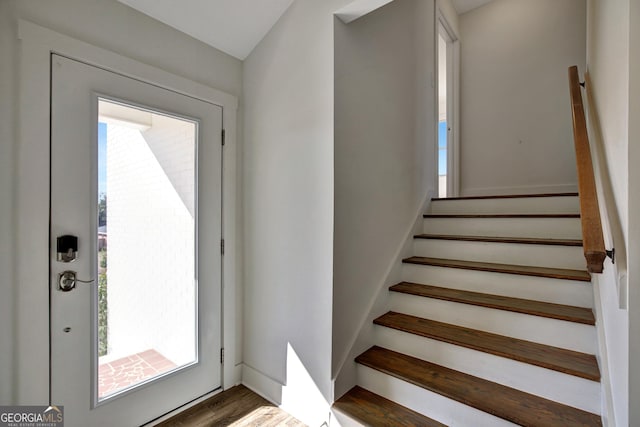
{"x": 611, "y": 254}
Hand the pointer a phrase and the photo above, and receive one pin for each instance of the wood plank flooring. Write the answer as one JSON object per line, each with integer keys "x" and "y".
{"x": 523, "y": 270}
{"x": 507, "y": 196}
{"x": 490, "y": 239}
{"x": 236, "y": 407}
{"x": 374, "y": 410}
{"x": 513, "y": 405}
{"x": 501, "y": 216}
{"x": 518, "y": 305}
{"x": 558, "y": 359}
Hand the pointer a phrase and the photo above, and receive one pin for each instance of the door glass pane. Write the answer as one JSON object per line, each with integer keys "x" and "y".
{"x": 147, "y": 294}
{"x": 442, "y": 116}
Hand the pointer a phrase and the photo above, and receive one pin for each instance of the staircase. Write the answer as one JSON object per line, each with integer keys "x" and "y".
{"x": 492, "y": 325}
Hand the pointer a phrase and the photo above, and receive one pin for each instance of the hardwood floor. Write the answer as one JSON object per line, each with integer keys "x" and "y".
{"x": 237, "y": 407}
{"x": 373, "y": 410}
{"x": 518, "y": 305}
{"x": 544, "y": 215}
{"x": 525, "y": 270}
{"x": 514, "y": 196}
{"x": 510, "y": 404}
{"x": 558, "y": 359}
{"x": 493, "y": 239}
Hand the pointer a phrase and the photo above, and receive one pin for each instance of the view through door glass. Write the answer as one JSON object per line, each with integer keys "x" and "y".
{"x": 442, "y": 116}
{"x": 146, "y": 234}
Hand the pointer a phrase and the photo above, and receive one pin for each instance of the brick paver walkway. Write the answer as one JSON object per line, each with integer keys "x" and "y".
{"x": 121, "y": 373}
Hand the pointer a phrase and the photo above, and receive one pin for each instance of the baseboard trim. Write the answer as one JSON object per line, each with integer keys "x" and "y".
{"x": 262, "y": 384}
{"x": 183, "y": 408}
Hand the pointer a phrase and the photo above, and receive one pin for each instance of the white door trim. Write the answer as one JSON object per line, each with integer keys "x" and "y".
{"x": 453, "y": 104}
{"x": 32, "y": 198}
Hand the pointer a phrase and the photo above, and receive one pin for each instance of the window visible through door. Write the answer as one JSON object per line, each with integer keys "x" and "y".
{"x": 448, "y": 145}
{"x": 146, "y": 245}
{"x": 443, "y": 145}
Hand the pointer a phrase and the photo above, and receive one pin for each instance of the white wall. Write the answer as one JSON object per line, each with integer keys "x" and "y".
{"x": 384, "y": 152}
{"x": 449, "y": 13}
{"x": 7, "y": 260}
{"x": 608, "y": 69}
{"x": 608, "y": 89}
{"x": 634, "y": 206}
{"x": 515, "y": 114}
{"x": 288, "y": 198}
{"x": 111, "y": 25}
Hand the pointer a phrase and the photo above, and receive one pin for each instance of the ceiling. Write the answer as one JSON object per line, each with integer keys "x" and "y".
{"x": 464, "y": 6}
{"x": 234, "y": 26}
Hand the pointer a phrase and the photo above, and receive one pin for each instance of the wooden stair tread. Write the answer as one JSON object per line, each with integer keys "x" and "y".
{"x": 525, "y": 270}
{"x": 510, "y": 404}
{"x": 490, "y": 239}
{"x": 518, "y": 305}
{"x": 374, "y": 410}
{"x": 558, "y": 359}
{"x": 501, "y": 216}
{"x": 507, "y": 196}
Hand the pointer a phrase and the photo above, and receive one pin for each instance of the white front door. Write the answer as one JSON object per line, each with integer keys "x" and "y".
{"x": 135, "y": 231}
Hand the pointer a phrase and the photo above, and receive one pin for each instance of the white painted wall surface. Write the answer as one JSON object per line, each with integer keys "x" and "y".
{"x": 516, "y": 134}
{"x": 288, "y": 202}
{"x": 384, "y": 152}
{"x": 634, "y": 207}
{"x": 449, "y": 13}
{"x": 608, "y": 68}
{"x": 8, "y": 94}
{"x": 110, "y": 25}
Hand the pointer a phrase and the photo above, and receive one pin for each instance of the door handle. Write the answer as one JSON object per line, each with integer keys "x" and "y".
{"x": 67, "y": 281}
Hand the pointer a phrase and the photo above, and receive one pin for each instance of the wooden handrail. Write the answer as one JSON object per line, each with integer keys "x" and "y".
{"x": 592, "y": 237}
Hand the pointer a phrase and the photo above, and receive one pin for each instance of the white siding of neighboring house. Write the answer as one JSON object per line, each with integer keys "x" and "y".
{"x": 151, "y": 240}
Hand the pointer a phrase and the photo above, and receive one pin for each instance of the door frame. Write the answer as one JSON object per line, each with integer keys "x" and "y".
{"x": 33, "y": 200}
{"x": 453, "y": 103}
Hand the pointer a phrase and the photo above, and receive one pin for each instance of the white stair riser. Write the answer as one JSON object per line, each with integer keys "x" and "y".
{"x": 553, "y": 332}
{"x": 558, "y": 228}
{"x": 570, "y": 292}
{"x": 503, "y": 253}
{"x": 433, "y": 405}
{"x": 529, "y": 205}
{"x": 567, "y": 389}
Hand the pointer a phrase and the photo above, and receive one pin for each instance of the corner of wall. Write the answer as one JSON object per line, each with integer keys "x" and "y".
{"x": 448, "y": 10}
{"x": 262, "y": 384}
{"x": 345, "y": 374}
{"x": 299, "y": 396}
